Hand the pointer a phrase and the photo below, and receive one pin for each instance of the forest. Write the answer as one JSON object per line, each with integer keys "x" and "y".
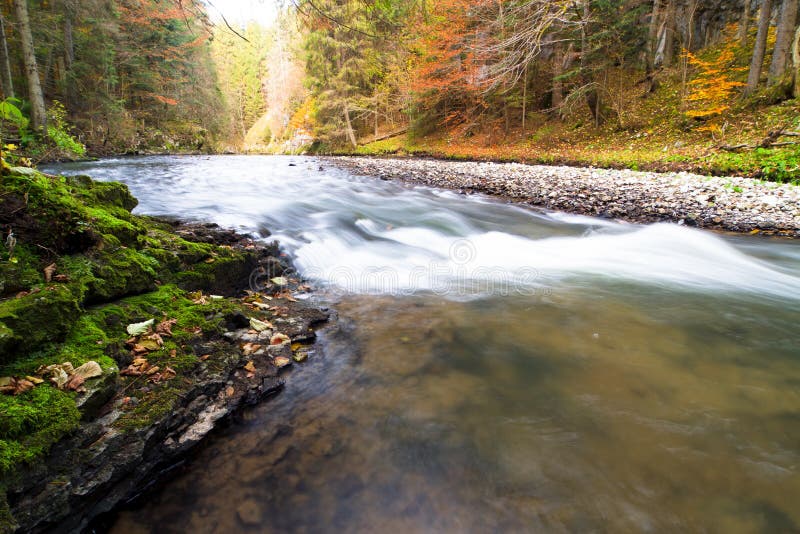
{"x": 665, "y": 83}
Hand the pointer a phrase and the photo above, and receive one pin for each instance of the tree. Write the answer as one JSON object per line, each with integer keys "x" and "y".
{"x": 760, "y": 48}
{"x": 781, "y": 55}
{"x": 35, "y": 95}
{"x": 5, "y": 62}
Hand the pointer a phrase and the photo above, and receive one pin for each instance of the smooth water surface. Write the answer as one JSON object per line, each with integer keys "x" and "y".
{"x": 495, "y": 368}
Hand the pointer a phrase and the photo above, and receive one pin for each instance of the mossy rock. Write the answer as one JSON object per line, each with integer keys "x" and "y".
{"x": 28, "y": 322}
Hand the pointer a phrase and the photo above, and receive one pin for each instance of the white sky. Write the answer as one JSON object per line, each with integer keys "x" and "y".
{"x": 241, "y": 11}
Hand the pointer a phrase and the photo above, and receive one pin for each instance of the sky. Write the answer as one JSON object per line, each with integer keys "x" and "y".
{"x": 241, "y": 11}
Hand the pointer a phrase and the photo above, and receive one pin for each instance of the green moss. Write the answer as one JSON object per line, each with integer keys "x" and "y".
{"x": 35, "y": 319}
{"x": 21, "y": 274}
{"x": 32, "y": 422}
{"x": 120, "y": 271}
{"x": 119, "y": 268}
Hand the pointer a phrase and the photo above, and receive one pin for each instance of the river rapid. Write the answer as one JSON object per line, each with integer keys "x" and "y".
{"x": 494, "y": 367}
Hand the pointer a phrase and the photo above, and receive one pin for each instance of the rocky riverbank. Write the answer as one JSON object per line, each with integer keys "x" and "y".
{"x": 722, "y": 203}
{"x": 124, "y": 341}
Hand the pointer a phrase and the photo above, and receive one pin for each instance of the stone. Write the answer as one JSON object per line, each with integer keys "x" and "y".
{"x": 249, "y": 513}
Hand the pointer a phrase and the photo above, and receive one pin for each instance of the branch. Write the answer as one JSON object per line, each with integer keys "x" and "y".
{"x": 242, "y": 37}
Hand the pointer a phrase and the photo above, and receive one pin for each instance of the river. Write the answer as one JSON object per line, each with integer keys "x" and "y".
{"x": 495, "y": 368}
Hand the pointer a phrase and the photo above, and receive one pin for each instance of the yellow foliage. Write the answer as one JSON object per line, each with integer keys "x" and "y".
{"x": 711, "y": 92}
{"x": 303, "y": 117}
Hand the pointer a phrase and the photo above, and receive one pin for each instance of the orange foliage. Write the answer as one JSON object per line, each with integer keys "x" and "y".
{"x": 712, "y": 90}
{"x": 446, "y": 68}
{"x": 163, "y": 99}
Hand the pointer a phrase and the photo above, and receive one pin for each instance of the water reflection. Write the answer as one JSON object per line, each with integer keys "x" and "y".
{"x": 565, "y": 414}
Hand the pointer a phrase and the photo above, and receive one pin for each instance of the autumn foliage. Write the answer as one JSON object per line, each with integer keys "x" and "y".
{"x": 713, "y": 89}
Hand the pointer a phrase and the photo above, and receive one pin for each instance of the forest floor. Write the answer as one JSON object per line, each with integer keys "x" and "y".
{"x": 652, "y": 134}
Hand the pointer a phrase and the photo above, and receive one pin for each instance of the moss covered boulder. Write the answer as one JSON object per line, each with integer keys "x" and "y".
{"x": 79, "y": 268}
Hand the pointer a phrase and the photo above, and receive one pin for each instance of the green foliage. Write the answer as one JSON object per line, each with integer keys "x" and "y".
{"x": 58, "y": 131}
{"x": 10, "y": 112}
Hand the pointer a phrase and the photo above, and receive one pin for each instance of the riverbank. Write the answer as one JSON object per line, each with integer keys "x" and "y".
{"x": 723, "y": 203}
{"x": 124, "y": 341}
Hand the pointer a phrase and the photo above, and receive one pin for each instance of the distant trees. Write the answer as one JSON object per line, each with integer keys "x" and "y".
{"x": 35, "y": 95}
{"x": 471, "y": 62}
{"x": 127, "y": 70}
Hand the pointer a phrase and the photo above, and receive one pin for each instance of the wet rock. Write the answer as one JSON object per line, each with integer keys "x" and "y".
{"x": 249, "y": 513}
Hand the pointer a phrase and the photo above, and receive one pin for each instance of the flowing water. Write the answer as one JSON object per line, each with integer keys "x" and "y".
{"x": 494, "y": 368}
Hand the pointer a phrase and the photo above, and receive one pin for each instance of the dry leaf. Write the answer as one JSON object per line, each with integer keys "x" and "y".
{"x": 75, "y": 383}
{"x": 165, "y": 327}
{"x": 49, "y": 271}
{"x": 250, "y": 348}
{"x": 137, "y": 329}
{"x": 279, "y": 339}
{"x": 88, "y": 370}
{"x": 281, "y": 361}
{"x": 259, "y": 326}
{"x": 250, "y": 367}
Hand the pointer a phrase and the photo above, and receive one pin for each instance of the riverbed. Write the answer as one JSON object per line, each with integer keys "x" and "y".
{"x": 494, "y": 367}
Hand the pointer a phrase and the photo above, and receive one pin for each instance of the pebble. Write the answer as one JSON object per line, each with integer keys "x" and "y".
{"x": 728, "y": 203}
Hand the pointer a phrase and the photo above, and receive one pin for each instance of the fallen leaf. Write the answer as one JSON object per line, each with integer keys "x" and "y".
{"x": 75, "y": 383}
{"x": 281, "y": 361}
{"x": 138, "y": 350}
{"x": 131, "y": 370}
{"x": 137, "y": 329}
{"x": 204, "y": 357}
{"x": 49, "y": 271}
{"x": 88, "y": 370}
{"x": 157, "y": 338}
{"x": 300, "y": 356}
{"x": 259, "y": 326}
{"x": 165, "y": 327}
{"x": 61, "y": 278}
{"x": 153, "y": 370}
{"x": 250, "y": 348}
{"x": 35, "y": 379}
{"x": 250, "y": 367}
{"x": 229, "y": 391}
{"x": 279, "y": 339}
{"x": 60, "y": 377}
{"x": 173, "y": 353}
{"x": 279, "y": 281}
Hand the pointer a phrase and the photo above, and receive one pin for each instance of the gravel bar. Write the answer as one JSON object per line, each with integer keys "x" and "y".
{"x": 723, "y": 203}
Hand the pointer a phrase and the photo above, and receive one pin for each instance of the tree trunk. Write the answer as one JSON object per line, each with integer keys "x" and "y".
{"x": 38, "y": 112}
{"x": 652, "y": 36}
{"x": 524, "y": 97}
{"x": 593, "y": 99}
{"x": 557, "y": 92}
{"x": 69, "y": 58}
{"x": 796, "y": 61}
{"x": 744, "y": 24}
{"x": 760, "y": 48}
{"x": 783, "y": 41}
{"x": 666, "y": 42}
{"x": 5, "y": 62}
{"x": 350, "y": 133}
